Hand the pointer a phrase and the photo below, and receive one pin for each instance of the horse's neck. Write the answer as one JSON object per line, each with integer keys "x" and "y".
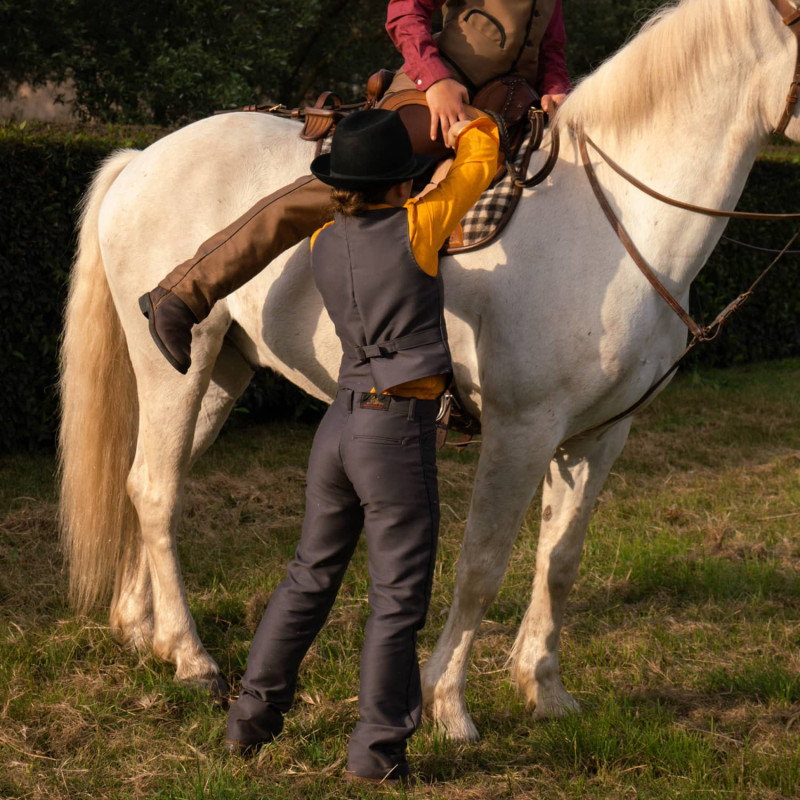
{"x": 703, "y": 159}
{"x": 682, "y": 108}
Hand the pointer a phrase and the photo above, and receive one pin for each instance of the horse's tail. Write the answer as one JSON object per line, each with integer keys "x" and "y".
{"x": 98, "y": 415}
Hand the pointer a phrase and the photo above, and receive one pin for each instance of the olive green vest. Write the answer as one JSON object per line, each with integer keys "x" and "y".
{"x": 488, "y": 38}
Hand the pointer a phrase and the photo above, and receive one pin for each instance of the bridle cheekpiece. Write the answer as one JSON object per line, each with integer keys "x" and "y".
{"x": 791, "y": 18}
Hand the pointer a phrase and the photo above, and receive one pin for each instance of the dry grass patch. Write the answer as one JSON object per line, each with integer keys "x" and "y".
{"x": 682, "y": 639}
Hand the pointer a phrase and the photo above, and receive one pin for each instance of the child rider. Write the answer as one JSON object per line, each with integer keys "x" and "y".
{"x": 373, "y": 461}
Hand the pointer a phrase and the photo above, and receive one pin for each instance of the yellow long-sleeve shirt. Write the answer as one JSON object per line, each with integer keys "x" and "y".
{"x": 434, "y": 216}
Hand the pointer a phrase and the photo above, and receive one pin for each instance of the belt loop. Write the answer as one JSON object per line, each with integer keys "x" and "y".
{"x": 350, "y": 394}
{"x": 412, "y": 407}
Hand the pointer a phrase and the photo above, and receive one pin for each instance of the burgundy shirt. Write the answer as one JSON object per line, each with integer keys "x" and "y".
{"x": 408, "y": 23}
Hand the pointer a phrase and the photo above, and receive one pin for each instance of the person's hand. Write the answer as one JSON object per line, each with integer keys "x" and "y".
{"x": 454, "y": 130}
{"x": 551, "y": 102}
{"x": 446, "y": 100}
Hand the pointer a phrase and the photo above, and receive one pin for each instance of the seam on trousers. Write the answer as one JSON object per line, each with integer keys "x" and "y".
{"x": 410, "y": 678}
{"x": 234, "y": 233}
{"x": 428, "y": 578}
{"x": 432, "y": 559}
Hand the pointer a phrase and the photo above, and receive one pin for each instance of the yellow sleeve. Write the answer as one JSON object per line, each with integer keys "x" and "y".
{"x": 432, "y": 218}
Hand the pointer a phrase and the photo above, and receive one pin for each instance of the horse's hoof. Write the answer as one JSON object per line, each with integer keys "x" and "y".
{"x": 555, "y": 705}
{"x": 456, "y": 724}
{"x": 220, "y": 691}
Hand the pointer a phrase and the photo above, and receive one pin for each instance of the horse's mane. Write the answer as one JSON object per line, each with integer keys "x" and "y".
{"x": 661, "y": 66}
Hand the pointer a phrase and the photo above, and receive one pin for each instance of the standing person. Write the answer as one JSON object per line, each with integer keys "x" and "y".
{"x": 373, "y": 461}
{"x": 481, "y": 40}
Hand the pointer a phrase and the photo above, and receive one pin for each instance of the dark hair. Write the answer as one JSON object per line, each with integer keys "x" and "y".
{"x": 352, "y": 202}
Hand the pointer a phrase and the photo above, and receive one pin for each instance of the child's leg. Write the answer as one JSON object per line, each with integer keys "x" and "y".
{"x": 391, "y": 460}
{"x": 229, "y": 259}
{"x": 300, "y": 605}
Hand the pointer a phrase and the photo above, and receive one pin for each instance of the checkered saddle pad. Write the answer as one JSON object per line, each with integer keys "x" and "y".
{"x": 480, "y": 223}
{"x": 482, "y": 220}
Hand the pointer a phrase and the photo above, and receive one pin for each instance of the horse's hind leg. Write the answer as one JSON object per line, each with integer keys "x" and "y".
{"x": 131, "y": 614}
{"x": 132, "y": 607}
{"x": 229, "y": 379}
{"x": 513, "y": 459}
{"x": 169, "y": 405}
{"x": 574, "y": 480}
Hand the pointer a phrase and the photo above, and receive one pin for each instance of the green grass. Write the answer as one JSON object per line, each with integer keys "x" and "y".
{"x": 682, "y": 637}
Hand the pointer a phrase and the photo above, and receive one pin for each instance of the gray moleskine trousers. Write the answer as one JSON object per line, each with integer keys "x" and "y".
{"x": 372, "y": 465}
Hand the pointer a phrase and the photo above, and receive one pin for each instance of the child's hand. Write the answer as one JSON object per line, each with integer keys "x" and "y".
{"x": 452, "y": 133}
{"x": 551, "y": 102}
{"x": 446, "y": 100}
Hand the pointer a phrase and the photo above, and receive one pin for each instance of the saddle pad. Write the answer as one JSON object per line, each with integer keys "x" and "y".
{"x": 483, "y": 218}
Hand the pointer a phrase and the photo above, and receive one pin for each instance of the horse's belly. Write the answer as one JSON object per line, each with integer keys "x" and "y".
{"x": 283, "y": 324}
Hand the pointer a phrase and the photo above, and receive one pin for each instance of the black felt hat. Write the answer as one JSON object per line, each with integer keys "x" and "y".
{"x": 369, "y": 148}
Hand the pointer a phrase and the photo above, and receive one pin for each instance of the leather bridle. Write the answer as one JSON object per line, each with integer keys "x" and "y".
{"x": 791, "y": 18}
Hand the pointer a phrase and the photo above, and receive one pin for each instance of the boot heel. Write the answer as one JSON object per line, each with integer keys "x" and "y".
{"x": 145, "y": 306}
{"x": 176, "y": 327}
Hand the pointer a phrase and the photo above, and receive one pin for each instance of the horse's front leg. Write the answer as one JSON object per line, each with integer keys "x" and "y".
{"x": 513, "y": 459}
{"x": 574, "y": 480}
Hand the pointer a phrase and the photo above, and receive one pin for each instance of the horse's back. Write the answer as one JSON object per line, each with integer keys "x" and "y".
{"x": 190, "y": 184}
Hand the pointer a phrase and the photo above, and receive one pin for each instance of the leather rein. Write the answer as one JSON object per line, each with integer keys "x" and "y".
{"x": 791, "y": 17}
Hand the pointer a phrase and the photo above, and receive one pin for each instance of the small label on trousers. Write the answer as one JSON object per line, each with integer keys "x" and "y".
{"x": 379, "y": 402}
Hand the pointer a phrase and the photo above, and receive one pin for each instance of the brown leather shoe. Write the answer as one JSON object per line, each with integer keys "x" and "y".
{"x": 171, "y": 322}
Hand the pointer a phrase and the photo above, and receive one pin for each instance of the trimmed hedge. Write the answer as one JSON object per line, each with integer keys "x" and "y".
{"x": 44, "y": 171}
{"x": 768, "y": 326}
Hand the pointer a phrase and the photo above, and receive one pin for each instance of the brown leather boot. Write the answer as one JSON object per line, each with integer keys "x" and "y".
{"x": 228, "y": 260}
{"x": 171, "y": 322}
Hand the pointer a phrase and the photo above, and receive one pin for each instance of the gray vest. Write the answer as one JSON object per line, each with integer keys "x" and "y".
{"x": 388, "y": 313}
{"x": 488, "y": 38}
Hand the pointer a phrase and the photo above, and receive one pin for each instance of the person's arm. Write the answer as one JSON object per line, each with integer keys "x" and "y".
{"x": 433, "y": 217}
{"x": 408, "y": 23}
{"x": 446, "y": 100}
{"x": 553, "y": 79}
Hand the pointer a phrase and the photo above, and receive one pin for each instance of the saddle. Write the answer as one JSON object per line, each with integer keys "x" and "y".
{"x": 506, "y": 100}
{"x": 514, "y": 107}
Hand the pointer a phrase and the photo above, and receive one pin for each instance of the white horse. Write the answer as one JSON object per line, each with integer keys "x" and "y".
{"x": 553, "y": 330}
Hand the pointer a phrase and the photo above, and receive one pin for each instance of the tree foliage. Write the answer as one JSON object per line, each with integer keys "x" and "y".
{"x": 171, "y": 61}
{"x": 597, "y": 29}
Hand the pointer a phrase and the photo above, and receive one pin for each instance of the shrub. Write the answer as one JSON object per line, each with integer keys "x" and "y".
{"x": 43, "y": 173}
{"x": 768, "y": 326}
